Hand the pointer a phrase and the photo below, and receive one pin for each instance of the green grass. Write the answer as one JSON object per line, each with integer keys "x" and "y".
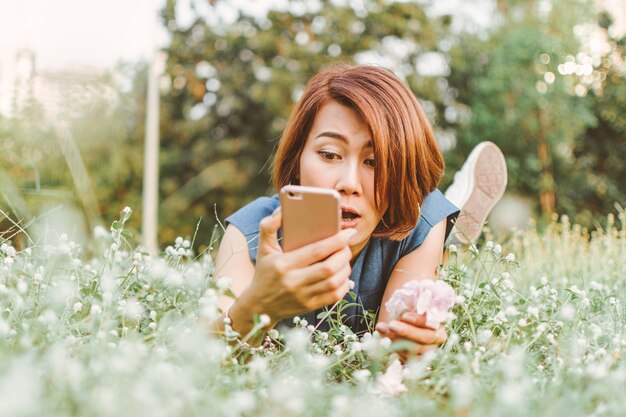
{"x": 538, "y": 329}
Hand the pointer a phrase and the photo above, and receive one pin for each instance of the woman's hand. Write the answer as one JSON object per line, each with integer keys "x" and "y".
{"x": 412, "y": 327}
{"x": 290, "y": 283}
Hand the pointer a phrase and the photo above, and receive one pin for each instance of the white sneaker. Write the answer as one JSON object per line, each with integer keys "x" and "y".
{"x": 476, "y": 188}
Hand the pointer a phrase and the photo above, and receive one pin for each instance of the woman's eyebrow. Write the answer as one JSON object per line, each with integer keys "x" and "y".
{"x": 340, "y": 137}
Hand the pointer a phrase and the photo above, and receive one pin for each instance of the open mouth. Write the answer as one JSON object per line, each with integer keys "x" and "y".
{"x": 349, "y": 218}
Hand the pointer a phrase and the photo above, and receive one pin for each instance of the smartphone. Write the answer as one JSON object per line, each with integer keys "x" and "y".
{"x": 309, "y": 214}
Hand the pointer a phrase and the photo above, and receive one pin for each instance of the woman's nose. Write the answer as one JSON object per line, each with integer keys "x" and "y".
{"x": 349, "y": 181}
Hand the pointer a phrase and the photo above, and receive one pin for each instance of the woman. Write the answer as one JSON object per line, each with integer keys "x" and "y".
{"x": 360, "y": 131}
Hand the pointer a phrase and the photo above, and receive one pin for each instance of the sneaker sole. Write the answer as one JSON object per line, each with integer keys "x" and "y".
{"x": 490, "y": 179}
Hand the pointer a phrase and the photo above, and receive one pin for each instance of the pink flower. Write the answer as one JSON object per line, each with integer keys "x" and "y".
{"x": 433, "y": 297}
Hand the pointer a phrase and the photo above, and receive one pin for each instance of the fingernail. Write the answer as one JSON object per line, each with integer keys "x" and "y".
{"x": 382, "y": 328}
{"x": 275, "y": 212}
{"x": 394, "y": 326}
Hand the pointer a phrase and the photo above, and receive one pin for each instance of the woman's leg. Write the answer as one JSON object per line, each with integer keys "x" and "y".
{"x": 476, "y": 189}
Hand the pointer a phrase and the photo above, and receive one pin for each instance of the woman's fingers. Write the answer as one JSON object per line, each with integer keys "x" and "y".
{"x": 421, "y": 335}
{"x": 329, "y": 297}
{"x": 417, "y": 349}
{"x": 268, "y": 233}
{"x": 327, "y": 268}
{"x": 415, "y": 319}
{"x": 318, "y": 251}
{"x": 334, "y": 282}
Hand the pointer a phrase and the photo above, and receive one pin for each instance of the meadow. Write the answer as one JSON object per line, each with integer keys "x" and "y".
{"x": 538, "y": 328}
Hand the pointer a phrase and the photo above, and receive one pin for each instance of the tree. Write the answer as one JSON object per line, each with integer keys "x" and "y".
{"x": 234, "y": 84}
{"x": 599, "y": 152}
{"x": 519, "y": 96}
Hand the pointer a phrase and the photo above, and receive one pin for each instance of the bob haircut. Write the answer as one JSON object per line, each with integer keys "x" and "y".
{"x": 408, "y": 162}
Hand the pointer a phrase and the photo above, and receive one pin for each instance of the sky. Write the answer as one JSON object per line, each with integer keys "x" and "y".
{"x": 99, "y": 33}
{"x": 87, "y": 32}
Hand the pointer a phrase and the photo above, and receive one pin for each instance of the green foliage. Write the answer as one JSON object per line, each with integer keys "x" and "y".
{"x": 233, "y": 87}
{"x": 599, "y": 151}
{"x": 39, "y": 156}
{"x": 514, "y": 91}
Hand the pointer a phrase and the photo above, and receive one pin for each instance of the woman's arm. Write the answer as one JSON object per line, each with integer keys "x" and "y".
{"x": 234, "y": 262}
{"x": 419, "y": 264}
{"x": 280, "y": 284}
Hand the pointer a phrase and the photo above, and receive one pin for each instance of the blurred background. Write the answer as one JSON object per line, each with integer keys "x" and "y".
{"x": 543, "y": 79}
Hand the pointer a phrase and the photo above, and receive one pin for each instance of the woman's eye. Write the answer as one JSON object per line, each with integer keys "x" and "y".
{"x": 328, "y": 155}
{"x": 370, "y": 162}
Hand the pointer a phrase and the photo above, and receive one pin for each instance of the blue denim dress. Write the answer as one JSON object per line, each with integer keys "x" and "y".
{"x": 374, "y": 264}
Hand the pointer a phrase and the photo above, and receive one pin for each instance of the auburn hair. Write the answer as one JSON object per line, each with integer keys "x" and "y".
{"x": 408, "y": 162}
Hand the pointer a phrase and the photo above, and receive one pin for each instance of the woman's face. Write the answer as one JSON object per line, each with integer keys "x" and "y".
{"x": 339, "y": 154}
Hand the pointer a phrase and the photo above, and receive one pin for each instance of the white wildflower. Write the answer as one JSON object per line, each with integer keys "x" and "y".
{"x": 500, "y": 318}
{"x": 483, "y": 336}
{"x": 362, "y": 375}
{"x": 595, "y": 330}
{"x": 544, "y": 280}
{"x": 452, "y": 248}
{"x": 489, "y": 244}
{"x": 264, "y": 320}
{"x": 567, "y": 312}
{"x": 10, "y": 251}
{"x": 385, "y": 342}
{"x": 78, "y": 306}
{"x": 510, "y": 257}
{"x": 223, "y": 282}
{"x": 576, "y": 290}
{"x": 132, "y": 309}
{"x": 497, "y": 248}
{"x": 390, "y": 383}
{"x": 511, "y": 311}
